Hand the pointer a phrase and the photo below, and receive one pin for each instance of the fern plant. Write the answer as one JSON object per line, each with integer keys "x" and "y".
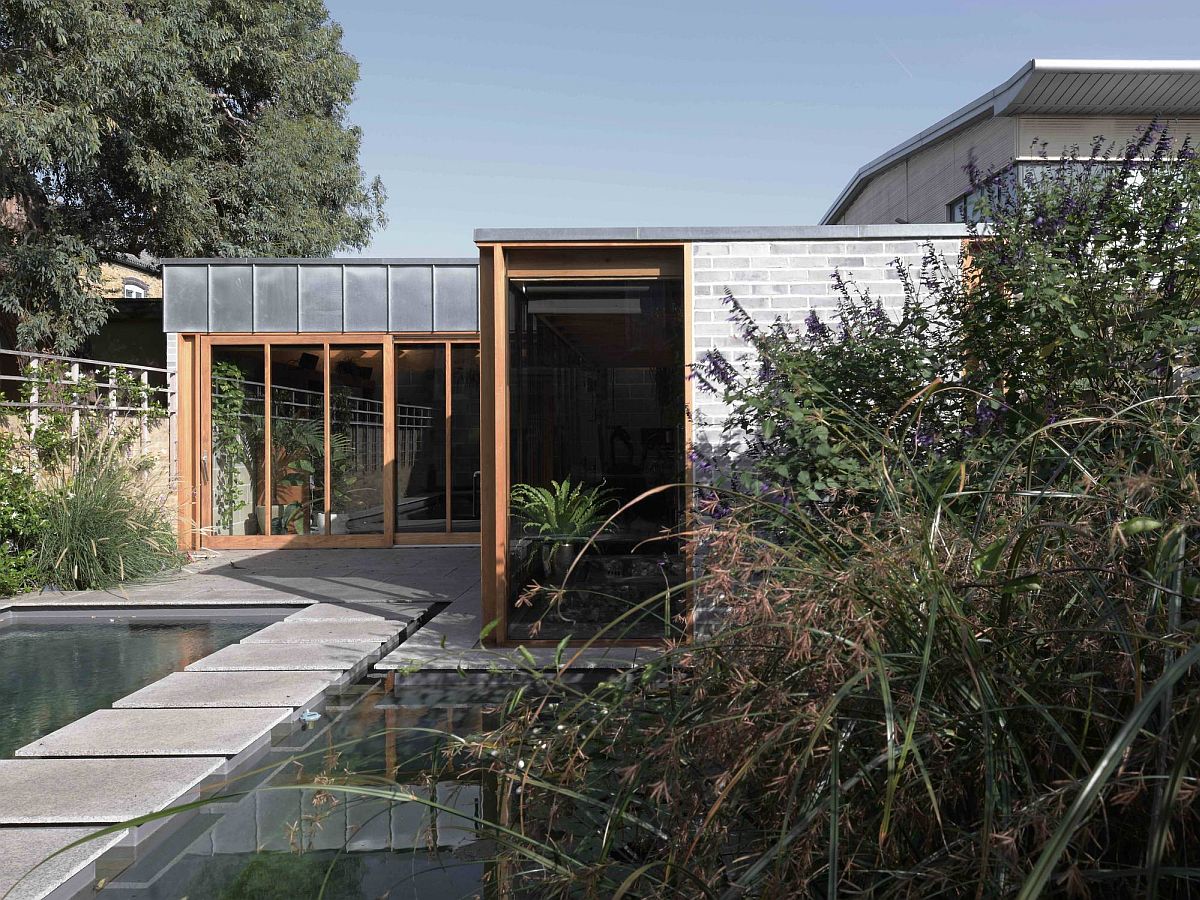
{"x": 563, "y": 511}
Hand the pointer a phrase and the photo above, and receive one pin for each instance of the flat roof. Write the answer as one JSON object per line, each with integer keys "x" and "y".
{"x": 1056, "y": 87}
{"x": 721, "y": 233}
{"x": 320, "y": 261}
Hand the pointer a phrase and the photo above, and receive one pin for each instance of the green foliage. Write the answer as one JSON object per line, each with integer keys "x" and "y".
{"x": 21, "y": 520}
{"x": 103, "y": 525}
{"x": 108, "y": 399}
{"x": 229, "y": 445}
{"x": 215, "y": 128}
{"x": 562, "y": 511}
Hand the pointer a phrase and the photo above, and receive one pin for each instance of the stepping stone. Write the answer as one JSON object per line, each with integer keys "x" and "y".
{"x": 424, "y": 657}
{"x": 26, "y": 874}
{"x": 159, "y": 732}
{"x": 232, "y": 689}
{"x": 331, "y": 612}
{"x": 97, "y": 791}
{"x": 371, "y": 633}
{"x": 286, "y": 657}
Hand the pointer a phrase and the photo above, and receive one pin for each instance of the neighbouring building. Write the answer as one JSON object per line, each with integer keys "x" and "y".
{"x": 385, "y": 402}
{"x": 1046, "y": 108}
{"x": 133, "y": 333}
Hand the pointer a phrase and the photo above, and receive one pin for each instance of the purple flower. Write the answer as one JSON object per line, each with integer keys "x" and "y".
{"x": 816, "y": 329}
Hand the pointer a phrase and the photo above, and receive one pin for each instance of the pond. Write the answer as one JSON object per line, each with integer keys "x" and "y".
{"x": 271, "y": 839}
{"x": 54, "y": 672}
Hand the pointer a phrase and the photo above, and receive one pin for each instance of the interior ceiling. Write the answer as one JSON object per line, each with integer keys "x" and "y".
{"x": 610, "y": 339}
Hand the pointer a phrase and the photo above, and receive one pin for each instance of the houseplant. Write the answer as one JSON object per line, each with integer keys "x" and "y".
{"x": 563, "y": 516}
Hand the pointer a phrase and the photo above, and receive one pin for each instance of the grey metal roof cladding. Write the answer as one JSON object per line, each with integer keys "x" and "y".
{"x": 320, "y": 295}
{"x": 1048, "y": 87}
{"x": 726, "y": 233}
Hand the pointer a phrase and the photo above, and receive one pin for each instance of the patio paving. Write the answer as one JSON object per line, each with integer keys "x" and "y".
{"x": 160, "y": 732}
{"x": 23, "y": 873}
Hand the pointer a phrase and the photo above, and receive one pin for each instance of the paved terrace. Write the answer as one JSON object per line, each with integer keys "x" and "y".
{"x": 413, "y": 613}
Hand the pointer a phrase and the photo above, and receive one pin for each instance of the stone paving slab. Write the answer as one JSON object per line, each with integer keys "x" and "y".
{"x": 285, "y": 657}
{"x": 411, "y": 656}
{"x": 181, "y": 690}
{"x": 96, "y": 791}
{"x": 370, "y": 633}
{"x": 331, "y": 612}
{"x": 159, "y": 732}
{"x": 25, "y": 872}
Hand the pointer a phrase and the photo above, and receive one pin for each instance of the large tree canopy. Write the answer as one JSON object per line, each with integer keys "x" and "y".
{"x": 174, "y": 127}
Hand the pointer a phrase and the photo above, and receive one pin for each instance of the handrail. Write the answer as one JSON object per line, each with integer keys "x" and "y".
{"x": 27, "y": 354}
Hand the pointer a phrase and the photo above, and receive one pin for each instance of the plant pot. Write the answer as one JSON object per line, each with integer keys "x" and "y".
{"x": 337, "y": 524}
{"x": 557, "y": 560}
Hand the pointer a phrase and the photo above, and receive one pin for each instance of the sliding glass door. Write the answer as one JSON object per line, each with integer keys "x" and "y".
{"x": 339, "y": 442}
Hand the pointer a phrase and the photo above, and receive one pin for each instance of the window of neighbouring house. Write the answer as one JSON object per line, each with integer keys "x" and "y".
{"x": 136, "y": 289}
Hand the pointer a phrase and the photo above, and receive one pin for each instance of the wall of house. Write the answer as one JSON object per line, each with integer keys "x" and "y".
{"x": 1063, "y": 132}
{"x": 918, "y": 189}
{"x": 790, "y": 279}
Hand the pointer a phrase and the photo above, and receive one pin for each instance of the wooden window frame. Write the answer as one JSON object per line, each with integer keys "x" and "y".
{"x": 500, "y": 263}
{"x": 195, "y": 439}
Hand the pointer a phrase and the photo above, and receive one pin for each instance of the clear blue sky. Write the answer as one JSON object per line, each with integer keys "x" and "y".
{"x": 674, "y": 113}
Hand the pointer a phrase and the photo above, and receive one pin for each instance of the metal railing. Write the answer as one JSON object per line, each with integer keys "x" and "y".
{"x": 36, "y": 388}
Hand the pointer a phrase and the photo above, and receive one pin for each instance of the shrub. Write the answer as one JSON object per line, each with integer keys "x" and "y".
{"x": 20, "y": 517}
{"x": 103, "y": 525}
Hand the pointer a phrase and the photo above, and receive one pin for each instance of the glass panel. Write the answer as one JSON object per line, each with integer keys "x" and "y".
{"x": 356, "y": 439}
{"x": 297, "y": 440}
{"x": 595, "y": 399}
{"x": 464, "y": 438}
{"x": 238, "y": 440}
{"x": 420, "y": 438}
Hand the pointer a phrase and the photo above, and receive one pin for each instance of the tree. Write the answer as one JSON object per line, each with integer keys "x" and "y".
{"x": 172, "y": 127}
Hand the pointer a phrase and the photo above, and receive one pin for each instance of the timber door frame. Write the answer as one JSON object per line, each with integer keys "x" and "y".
{"x": 500, "y": 262}
{"x": 195, "y": 438}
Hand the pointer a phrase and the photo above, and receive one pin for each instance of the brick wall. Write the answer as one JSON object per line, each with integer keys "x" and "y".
{"x": 787, "y": 279}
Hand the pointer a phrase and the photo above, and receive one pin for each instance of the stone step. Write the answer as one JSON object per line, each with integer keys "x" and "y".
{"x": 97, "y": 791}
{"x": 293, "y": 632}
{"x": 160, "y": 732}
{"x": 179, "y": 690}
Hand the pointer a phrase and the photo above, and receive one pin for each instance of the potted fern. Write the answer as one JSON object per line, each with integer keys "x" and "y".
{"x": 563, "y": 516}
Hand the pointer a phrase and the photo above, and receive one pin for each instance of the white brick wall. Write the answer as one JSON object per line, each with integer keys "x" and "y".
{"x": 787, "y": 279}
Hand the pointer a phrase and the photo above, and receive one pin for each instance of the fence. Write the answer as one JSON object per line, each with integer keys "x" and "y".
{"x": 42, "y": 383}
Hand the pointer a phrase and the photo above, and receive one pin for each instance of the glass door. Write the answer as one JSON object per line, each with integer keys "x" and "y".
{"x": 308, "y": 441}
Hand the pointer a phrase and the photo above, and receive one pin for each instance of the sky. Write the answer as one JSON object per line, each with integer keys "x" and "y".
{"x": 671, "y": 113}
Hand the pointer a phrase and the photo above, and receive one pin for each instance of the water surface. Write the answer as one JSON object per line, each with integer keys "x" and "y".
{"x": 53, "y": 674}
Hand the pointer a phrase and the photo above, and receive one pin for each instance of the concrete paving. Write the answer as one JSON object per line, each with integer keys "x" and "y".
{"x": 331, "y": 612}
{"x": 96, "y": 791}
{"x": 301, "y": 632}
{"x": 160, "y": 732}
{"x": 197, "y": 690}
{"x": 385, "y": 579}
{"x": 26, "y": 873}
{"x": 287, "y": 658}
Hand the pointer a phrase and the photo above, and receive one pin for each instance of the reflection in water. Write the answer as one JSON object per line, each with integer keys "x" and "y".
{"x": 414, "y": 836}
{"x": 51, "y": 675}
